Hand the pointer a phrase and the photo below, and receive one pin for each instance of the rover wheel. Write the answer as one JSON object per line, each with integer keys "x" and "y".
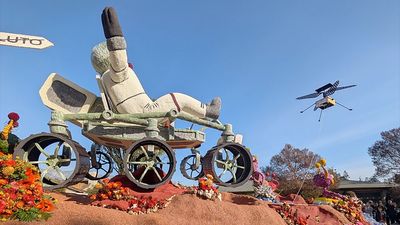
{"x": 189, "y": 169}
{"x": 230, "y": 164}
{"x": 149, "y": 163}
{"x": 103, "y": 169}
{"x": 61, "y": 161}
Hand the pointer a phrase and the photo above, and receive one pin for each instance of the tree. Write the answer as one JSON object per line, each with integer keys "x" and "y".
{"x": 385, "y": 153}
{"x": 345, "y": 176}
{"x": 292, "y": 165}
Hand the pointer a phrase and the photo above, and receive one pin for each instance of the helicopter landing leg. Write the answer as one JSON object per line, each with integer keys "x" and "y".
{"x": 344, "y": 106}
{"x": 307, "y": 108}
{"x": 320, "y": 114}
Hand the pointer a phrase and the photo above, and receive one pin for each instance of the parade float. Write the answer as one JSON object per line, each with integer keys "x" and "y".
{"x": 138, "y": 137}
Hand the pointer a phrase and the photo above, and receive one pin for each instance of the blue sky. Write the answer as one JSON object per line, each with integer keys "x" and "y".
{"x": 257, "y": 55}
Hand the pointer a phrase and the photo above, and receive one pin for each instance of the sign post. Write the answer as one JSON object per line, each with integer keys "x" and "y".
{"x": 24, "y": 41}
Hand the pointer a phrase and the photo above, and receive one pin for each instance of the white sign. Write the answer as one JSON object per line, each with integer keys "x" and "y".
{"x": 24, "y": 41}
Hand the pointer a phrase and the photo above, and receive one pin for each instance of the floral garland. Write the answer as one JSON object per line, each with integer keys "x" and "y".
{"x": 113, "y": 191}
{"x": 13, "y": 122}
{"x": 21, "y": 192}
{"x": 290, "y": 217}
{"x": 206, "y": 189}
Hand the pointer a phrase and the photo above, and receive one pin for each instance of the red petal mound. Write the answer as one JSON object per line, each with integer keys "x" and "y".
{"x": 122, "y": 194}
{"x": 163, "y": 192}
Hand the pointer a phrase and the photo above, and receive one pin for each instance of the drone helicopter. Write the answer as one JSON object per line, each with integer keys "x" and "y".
{"x": 327, "y": 90}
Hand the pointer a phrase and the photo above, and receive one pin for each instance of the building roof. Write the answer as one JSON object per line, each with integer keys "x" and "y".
{"x": 351, "y": 184}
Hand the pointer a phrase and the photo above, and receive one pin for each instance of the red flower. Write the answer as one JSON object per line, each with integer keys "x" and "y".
{"x": 9, "y": 162}
{"x": 28, "y": 198}
{"x": 2, "y": 205}
{"x": 13, "y": 116}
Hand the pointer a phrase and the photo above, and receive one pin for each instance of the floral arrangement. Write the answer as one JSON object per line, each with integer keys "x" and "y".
{"x": 206, "y": 188}
{"x": 13, "y": 122}
{"x": 263, "y": 184}
{"x": 289, "y": 216}
{"x": 351, "y": 207}
{"x": 21, "y": 192}
{"x": 324, "y": 179}
{"x": 265, "y": 193}
{"x": 114, "y": 195}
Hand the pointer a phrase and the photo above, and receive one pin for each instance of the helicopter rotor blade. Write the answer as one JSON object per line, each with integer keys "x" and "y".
{"x": 313, "y": 95}
{"x": 344, "y": 87}
{"x": 332, "y": 89}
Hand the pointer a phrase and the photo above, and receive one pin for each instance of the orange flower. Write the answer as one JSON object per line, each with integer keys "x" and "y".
{"x": 109, "y": 185}
{"x": 20, "y": 204}
{"x": 93, "y": 197}
{"x": 103, "y": 196}
{"x": 45, "y": 205}
{"x": 3, "y": 181}
{"x": 117, "y": 184}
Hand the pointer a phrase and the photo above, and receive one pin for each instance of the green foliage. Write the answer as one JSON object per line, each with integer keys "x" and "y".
{"x": 3, "y": 146}
{"x": 30, "y": 215}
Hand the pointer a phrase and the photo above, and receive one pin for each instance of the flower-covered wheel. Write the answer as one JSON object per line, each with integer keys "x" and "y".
{"x": 103, "y": 166}
{"x": 190, "y": 168}
{"x": 61, "y": 161}
{"x": 149, "y": 163}
{"x": 229, "y": 163}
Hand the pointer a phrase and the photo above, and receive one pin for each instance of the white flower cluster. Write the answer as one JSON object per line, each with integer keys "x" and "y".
{"x": 208, "y": 194}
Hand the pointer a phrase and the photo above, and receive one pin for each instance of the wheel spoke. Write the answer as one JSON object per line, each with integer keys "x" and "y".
{"x": 58, "y": 170}
{"x": 57, "y": 149}
{"x": 41, "y": 150}
{"x": 219, "y": 176}
{"x": 240, "y": 167}
{"x": 233, "y": 175}
{"x": 221, "y": 162}
{"x": 42, "y": 174}
{"x": 38, "y": 162}
{"x": 144, "y": 173}
{"x": 189, "y": 164}
{"x": 156, "y": 172}
{"x": 144, "y": 151}
{"x": 227, "y": 154}
{"x": 191, "y": 173}
{"x": 66, "y": 160}
{"x": 236, "y": 157}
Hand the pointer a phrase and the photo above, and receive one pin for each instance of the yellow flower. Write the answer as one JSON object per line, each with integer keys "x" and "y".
{"x": 317, "y": 165}
{"x": 323, "y": 162}
{"x": 7, "y": 171}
